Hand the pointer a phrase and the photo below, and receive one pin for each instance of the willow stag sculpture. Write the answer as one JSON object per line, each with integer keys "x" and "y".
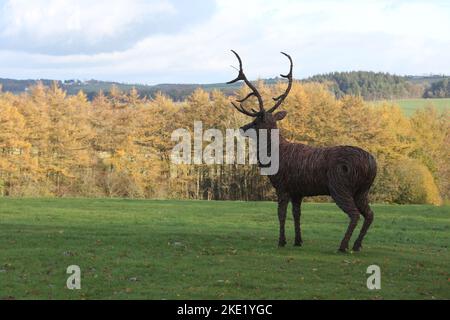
{"x": 346, "y": 173}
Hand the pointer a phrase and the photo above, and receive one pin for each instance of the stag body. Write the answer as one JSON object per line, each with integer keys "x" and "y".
{"x": 346, "y": 173}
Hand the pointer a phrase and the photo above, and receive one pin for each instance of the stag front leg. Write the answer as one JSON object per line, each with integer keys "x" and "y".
{"x": 283, "y": 201}
{"x": 296, "y": 213}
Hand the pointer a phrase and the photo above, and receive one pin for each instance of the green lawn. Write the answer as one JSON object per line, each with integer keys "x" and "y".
{"x": 216, "y": 250}
{"x": 410, "y": 105}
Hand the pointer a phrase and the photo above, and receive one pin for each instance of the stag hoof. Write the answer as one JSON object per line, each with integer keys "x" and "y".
{"x": 281, "y": 243}
{"x": 298, "y": 243}
{"x": 357, "y": 247}
{"x": 343, "y": 250}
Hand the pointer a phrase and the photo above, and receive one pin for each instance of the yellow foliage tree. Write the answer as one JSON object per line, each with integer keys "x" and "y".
{"x": 119, "y": 145}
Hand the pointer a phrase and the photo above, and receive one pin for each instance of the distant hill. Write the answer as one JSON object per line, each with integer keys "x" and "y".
{"x": 92, "y": 87}
{"x": 18, "y": 86}
{"x": 370, "y": 85}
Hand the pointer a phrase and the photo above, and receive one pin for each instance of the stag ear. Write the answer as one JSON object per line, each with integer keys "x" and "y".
{"x": 279, "y": 115}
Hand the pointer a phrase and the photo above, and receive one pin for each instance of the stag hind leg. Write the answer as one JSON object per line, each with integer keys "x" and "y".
{"x": 362, "y": 202}
{"x": 296, "y": 213}
{"x": 345, "y": 201}
{"x": 283, "y": 201}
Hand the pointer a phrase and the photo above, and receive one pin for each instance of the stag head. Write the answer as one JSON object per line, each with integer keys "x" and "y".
{"x": 263, "y": 119}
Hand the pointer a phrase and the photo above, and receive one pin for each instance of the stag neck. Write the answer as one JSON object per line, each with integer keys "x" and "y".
{"x": 283, "y": 140}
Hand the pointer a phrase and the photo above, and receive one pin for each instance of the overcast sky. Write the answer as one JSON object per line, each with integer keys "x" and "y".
{"x": 188, "y": 41}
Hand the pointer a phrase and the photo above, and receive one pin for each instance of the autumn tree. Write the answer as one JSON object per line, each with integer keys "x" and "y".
{"x": 119, "y": 145}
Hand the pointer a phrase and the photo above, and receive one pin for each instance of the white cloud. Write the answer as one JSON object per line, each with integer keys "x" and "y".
{"x": 322, "y": 36}
{"x": 93, "y": 20}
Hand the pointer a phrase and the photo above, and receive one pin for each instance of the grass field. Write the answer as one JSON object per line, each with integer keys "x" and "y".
{"x": 410, "y": 105}
{"x": 217, "y": 250}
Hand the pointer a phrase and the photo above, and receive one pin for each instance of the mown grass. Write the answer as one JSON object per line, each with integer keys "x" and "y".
{"x": 139, "y": 249}
{"x": 409, "y": 106}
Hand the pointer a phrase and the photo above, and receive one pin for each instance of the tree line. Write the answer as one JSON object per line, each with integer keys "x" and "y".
{"x": 438, "y": 89}
{"x": 58, "y": 145}
{"x": 370, "y": 85}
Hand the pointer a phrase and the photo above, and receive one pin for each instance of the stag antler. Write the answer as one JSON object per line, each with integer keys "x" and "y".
{"x": 279, "y": 100}
{"x": 254, "y": 92}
